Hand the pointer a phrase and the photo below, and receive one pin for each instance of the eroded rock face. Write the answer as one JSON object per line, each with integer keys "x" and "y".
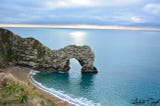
{"x": 29, "y": 52}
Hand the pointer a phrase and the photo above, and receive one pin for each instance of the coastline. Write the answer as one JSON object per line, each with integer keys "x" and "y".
{"x": 42, "y": 88}
{"x": 24, "y": 74}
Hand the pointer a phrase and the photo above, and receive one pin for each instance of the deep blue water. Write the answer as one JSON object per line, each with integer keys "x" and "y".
{"x": 128, "y": 63}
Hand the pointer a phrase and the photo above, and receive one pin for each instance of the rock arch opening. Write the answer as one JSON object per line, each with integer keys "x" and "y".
{"x": 74, "y": 65}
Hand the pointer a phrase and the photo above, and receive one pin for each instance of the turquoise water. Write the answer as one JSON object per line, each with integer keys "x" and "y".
{"x": 128, "y": 63}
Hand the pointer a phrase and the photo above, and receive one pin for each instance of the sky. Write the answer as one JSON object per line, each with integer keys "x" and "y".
{"x": 93, "y": 12}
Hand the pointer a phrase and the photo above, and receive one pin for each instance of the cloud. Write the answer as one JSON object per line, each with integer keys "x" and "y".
{"x": 136, "y": 19}
{"x": 98, "y": 12}
{"x": 153, "y": 8}
{"x": 127, "y": 18}
{"x": 53, "y": 4}
{"x": 117, "y": 2}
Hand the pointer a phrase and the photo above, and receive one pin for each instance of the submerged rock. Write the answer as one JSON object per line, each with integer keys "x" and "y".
{"x": 29, "y": 52}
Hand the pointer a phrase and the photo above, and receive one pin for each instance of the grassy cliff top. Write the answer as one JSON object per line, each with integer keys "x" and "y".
{"x": 14, "y": 92}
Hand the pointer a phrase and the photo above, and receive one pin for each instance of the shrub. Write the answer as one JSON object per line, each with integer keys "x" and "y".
{"x": 22, "y": 97}
{"x": 13, "y": 88}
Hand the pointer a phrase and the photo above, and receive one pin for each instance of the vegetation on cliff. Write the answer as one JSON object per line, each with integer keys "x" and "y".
{"x": 16, "y": 93}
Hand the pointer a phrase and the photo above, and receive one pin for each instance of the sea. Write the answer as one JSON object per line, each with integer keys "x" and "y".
{"x": 128, "y": 63}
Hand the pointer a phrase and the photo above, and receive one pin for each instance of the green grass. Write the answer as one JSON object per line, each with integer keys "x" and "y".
{"x": 12, "y": 94}
{"x": 16, "y": 93}
{"x": 13, "y": 88}
{"x": 22, "y": 97}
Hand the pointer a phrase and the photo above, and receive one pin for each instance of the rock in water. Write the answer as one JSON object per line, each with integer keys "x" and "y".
{"x": 29, "y": 52}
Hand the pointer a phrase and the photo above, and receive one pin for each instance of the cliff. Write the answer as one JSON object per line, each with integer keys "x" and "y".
{"x": 29, "y": 52}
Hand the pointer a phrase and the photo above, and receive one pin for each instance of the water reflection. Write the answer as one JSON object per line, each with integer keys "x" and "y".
{"x": 78, "y": 37}
{"x": 87, "y": 82}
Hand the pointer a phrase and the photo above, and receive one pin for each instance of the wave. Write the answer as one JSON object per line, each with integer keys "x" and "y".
{"x": 33, "y": 72}
{"x": 77, "y": 101}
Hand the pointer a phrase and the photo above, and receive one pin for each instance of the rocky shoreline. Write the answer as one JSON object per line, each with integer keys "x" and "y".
{"x": 29, "y": 52}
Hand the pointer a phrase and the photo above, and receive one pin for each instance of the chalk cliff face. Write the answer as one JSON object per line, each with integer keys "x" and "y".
{"x": 29, "y": 52}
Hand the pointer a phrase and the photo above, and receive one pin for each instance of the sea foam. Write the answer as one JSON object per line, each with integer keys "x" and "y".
{"x": 77, "y": 101}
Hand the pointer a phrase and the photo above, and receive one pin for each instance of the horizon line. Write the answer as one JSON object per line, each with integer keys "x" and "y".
{"x": 81, "y": 26}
